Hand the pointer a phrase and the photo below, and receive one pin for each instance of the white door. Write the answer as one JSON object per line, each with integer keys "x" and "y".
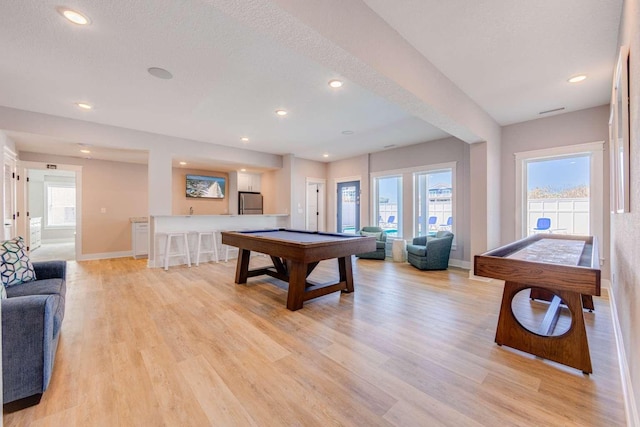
{"x": 315, "y": 217}
{"x": 9, "y": 195}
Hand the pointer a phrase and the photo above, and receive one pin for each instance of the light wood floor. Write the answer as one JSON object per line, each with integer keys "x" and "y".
{"x": 188, "y": 347}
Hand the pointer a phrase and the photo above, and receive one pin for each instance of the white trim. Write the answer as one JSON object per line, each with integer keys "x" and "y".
{"x": 596, "y": 184}
{"x": 423, "y": 168}
{"x": 25, "y": 165}
{"x": 466, "y": 265}
{"x": 560, "y": 151}
{"x": 105, "y": 255}
{"x": 61, "y": 240}
{"x": 322, "y": 223}
{"x": 631, "y": 410}
{"x": 479, "y": 278}
{"x": 373, "y": 202}
{"x": 337, "y": 181}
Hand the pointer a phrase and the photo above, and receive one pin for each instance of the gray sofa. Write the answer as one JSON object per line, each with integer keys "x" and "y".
{"x": 31, "y": 320}
{"x": 431, "y": 253}
{"x": 381, "y": 241}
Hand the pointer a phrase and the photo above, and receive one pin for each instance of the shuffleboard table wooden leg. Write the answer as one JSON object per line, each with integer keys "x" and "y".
{"x": 570, "y": 348}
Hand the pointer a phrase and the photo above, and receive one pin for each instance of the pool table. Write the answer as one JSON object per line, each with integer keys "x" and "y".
{"x": 295, "y": 254}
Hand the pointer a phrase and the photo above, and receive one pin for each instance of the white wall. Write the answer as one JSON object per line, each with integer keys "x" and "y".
{"x": 625, "y": 228}
{"x": 431, "y": 153}
{"x": 303, "y": 169}
{"x": 355, "y": 167}
{"x": 578, "y": 127}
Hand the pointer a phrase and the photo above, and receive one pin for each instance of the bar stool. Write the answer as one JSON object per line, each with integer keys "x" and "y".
{"x": 200, "y": 250}
{"x": 227, "y": 247}
{"x": 167, "y": 248}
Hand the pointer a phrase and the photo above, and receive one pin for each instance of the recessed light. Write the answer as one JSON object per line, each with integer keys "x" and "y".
{"x": 335, "y": 83}
{"x": 85, "y": 151}
{"x": 160, "y": 73}
{"x": 84, "y": 105}
{"x": 243, "y": 170}
{"x": 325, "y": 155}
{"x": 281, "y": 113}
{"x": 74, "y": 16}
{"x": 183, "y": 163}
{"x": 576, "y": 79}
{"x": 347, "y": 132}
{"x": 244, "y": 139}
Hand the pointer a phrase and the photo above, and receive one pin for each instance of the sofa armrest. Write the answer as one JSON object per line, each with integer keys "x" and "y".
{"x": 50, "y": 270}
{"x": 27, "y": 340}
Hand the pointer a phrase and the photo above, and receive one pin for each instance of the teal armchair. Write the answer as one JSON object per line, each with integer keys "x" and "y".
{"x": 431, "y": 253}
{"x": 381, "y": 241}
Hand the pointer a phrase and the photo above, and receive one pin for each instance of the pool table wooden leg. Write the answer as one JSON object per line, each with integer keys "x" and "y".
{"x": 297, "y": 282}
{"x": 346, "y": 273}
{"x": 242, "y": 268}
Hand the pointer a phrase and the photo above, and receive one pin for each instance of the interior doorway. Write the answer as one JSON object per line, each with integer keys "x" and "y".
{"x": 51, "y": 205}
{"x": 348, "y": 207}
{"x": 315, "y": 217}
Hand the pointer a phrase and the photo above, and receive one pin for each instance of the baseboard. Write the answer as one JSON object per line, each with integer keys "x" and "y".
{"x": 459, "y": 264}
{"x": 55, "y": 241}
{"x": 105, "y": 255}
{"x": 633, "y": 418}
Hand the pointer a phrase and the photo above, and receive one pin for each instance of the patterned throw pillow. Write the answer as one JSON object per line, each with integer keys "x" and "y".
{"x": 3, "y": 293}
{"x": 15, "y": 267}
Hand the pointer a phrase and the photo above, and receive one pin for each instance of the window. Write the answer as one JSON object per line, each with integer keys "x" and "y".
{"x": 61, "y": 204}
{"x": 550, "y": 183}
{"x": 388, "y": 204}
{"x": 558, "y": 195}
{"x": 434, "y": 201}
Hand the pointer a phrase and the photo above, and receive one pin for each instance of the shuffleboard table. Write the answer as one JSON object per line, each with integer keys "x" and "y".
{"x": 562, "y": 269}
{"x": 295, "y": 254}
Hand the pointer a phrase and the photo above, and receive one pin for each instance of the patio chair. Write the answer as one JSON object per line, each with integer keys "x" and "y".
{"x": 391, "y": 219}
{"x": 543, "y": 224}
{"x": 432, "y": 222}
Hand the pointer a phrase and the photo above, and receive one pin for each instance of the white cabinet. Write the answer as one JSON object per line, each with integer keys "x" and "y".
{"x": 140, "y": 239}
{"x": 249, "y": 182}
{"x": 35, "y": 233}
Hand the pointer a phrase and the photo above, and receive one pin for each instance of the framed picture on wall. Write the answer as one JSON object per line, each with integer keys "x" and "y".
{"x": 613, "y": 199}
{"x": 619, "y": 134}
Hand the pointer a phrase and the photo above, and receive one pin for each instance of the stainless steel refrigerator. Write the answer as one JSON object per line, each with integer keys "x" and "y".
{"x": 249, "y": 203}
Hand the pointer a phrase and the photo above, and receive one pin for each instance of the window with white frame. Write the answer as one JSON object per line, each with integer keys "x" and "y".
{"x": 388, "y": 204}
{"x": 434, "y": 200}
{"x": 60, "y": 200}
{"x": 560, "y": 190}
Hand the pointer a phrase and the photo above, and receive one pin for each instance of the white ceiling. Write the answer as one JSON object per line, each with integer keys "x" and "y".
{"x": 511, "y": 57}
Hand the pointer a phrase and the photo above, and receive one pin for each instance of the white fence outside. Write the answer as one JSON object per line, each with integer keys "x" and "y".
{"x": 568, "y": 216}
